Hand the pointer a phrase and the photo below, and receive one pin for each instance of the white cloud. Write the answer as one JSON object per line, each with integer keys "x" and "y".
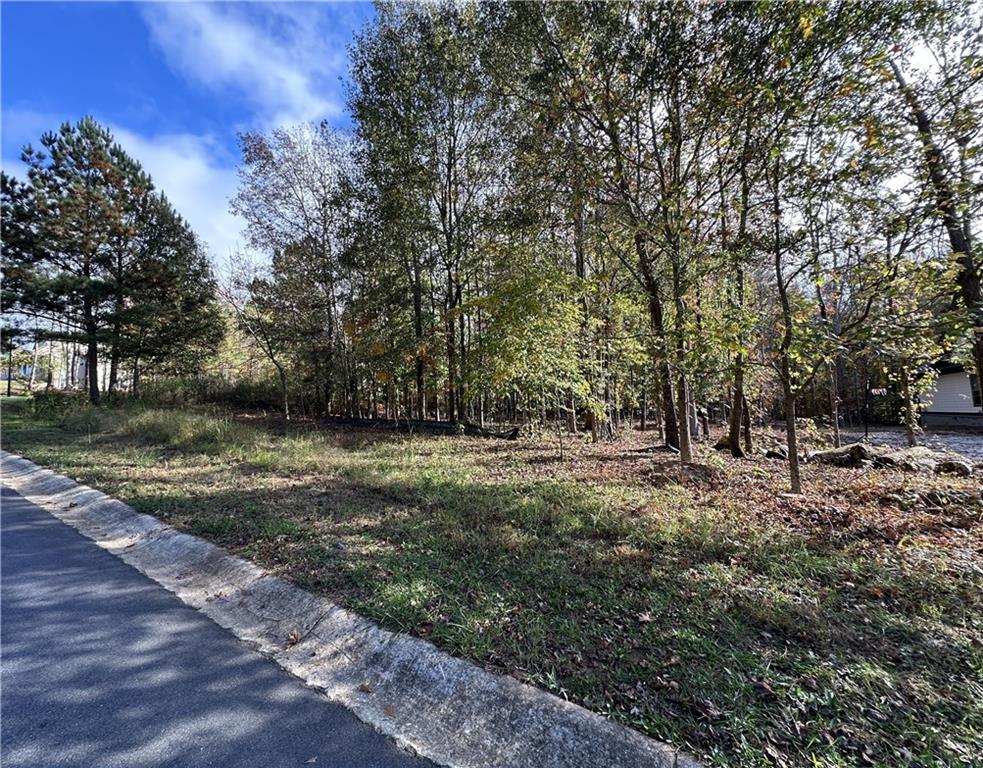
{"x": 195, "y": 172}
{"x": 283, "y": 60}
{"x": 188, "y": 169}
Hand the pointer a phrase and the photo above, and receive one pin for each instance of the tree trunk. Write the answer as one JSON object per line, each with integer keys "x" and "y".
{"x": 451, "y": 350}
{"x": 682, "y": 387}
{"x": 51, "y": 366}
{"x": 113, "y": 370}
{"x": 834, "y": 404}
{"x": 92, "y": 350}
{"x": 682, "y": 416}
{"x": 657, "y": 318}
{"x": 785, "y": 366}
{"x": 282, "y": 375}
{"x": 34, "y": 360}
{"x": 92, "y": 366}
{"x": 462, "y": 361}
{"x": 135, "y": 384}
{"x": 71, "y": 366}
{"x": 737, "y": 408}
{"x": 748, "y": 442}
{"x": 791, "y": 434}
{"x": 910, "y": 422}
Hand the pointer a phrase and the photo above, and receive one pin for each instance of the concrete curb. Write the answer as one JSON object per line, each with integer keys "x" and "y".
{"x": 441, "y": 707}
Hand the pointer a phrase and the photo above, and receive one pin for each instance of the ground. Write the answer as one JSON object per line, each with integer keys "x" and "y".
{"x": 969, "y": 444}
{"x": 704, "y": 607}
{"x": 104, "y": 667}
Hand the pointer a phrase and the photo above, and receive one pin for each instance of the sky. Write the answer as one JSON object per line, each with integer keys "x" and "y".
{"x": 175, "y": 83}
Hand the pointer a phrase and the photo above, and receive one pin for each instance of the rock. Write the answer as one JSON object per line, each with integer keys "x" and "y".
{"x": 885, "y": 460}
{"x": 916, "y": 465}
{"x": 845, "y": 456}
{"x": 954, "y": 467}
{"x": 919, "y": 458}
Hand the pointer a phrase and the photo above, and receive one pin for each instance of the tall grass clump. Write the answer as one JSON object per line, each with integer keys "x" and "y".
{"x": 86, "y": 419}
{"x": 205, "y": 432}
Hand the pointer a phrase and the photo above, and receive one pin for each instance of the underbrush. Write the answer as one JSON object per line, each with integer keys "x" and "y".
{"x": 207, "y": 432}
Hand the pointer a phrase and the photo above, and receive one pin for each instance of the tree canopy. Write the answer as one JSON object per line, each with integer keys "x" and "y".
{"x": 93, "y": 251}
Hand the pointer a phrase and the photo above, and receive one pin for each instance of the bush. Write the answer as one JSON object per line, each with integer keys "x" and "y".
{"x": 212, "y": 389}
{"x": 54, "y": 405}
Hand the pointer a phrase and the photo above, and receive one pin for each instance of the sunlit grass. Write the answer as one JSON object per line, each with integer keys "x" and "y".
{"x": 695, "y": 623}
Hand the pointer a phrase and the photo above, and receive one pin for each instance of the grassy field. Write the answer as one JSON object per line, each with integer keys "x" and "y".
{"x": 702, "y": 607}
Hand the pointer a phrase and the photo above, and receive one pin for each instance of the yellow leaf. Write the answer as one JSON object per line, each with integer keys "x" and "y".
{"x": 805, "y": 24}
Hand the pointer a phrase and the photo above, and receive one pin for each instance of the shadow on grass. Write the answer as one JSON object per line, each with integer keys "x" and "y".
{"x": 686, "y": 634}
{"x": 742, "y": 644}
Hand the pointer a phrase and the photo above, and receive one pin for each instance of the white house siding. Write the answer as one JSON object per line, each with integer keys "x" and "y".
{"x": 952, "y": 394}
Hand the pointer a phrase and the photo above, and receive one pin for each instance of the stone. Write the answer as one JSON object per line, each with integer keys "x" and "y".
{"x": 954, "y": 467}
{"x": 850, "y": 455}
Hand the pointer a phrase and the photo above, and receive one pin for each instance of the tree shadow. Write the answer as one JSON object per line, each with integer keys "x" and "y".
{"x": 104, "y": 667}
{"x": 541, "y": 579}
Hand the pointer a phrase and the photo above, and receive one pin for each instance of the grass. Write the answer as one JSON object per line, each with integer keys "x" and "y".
{"x": 701, "y": 608}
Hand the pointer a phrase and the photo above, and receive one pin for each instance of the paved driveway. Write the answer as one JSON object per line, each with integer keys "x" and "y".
{"x": 102, "y": 668}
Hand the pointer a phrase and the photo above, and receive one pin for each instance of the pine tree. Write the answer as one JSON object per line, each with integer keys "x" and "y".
{"x": 89, "y": 245}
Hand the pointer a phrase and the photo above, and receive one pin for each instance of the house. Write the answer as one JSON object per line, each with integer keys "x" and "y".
{"x": 953, "y": 400}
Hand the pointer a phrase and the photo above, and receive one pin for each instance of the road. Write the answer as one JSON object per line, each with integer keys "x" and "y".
{"x": 102, "y": 668}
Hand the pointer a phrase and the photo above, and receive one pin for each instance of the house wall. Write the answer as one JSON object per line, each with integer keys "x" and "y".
{"x": 952, "y": 394}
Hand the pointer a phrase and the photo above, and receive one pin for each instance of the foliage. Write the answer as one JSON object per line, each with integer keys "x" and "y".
{"x": 103, "y": 259}
{"x": 54, "y": 405}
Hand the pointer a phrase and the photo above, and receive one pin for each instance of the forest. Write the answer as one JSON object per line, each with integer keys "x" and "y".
{"x": 581, "y": 214}
{"x": 558, "y": 351}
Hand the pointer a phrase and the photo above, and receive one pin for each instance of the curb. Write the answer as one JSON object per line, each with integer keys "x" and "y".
{"x": 444, "y": 708}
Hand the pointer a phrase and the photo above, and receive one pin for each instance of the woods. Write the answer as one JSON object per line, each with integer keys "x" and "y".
{"x": 596, "y": 215}
{"x": 584, "y": 216}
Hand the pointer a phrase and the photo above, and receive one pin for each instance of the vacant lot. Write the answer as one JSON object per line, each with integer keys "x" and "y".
{"x": 703, "y": 608}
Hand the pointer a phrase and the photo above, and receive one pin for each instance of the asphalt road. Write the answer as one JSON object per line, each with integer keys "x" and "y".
{"x": 102, "y": 667}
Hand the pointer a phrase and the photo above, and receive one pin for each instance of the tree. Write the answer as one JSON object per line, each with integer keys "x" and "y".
{"x": 944, "y": 109}
{"x": 289, "y": 196}
{"x": 90, "y": 247}
{"x": 426, "y": 114}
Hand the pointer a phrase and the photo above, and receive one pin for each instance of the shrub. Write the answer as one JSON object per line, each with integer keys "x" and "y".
{"x": 211, "y": 389}
{"x": 54, "y": 405}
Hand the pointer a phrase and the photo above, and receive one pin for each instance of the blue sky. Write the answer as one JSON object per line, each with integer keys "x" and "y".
{"x": 175, "y": 82}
